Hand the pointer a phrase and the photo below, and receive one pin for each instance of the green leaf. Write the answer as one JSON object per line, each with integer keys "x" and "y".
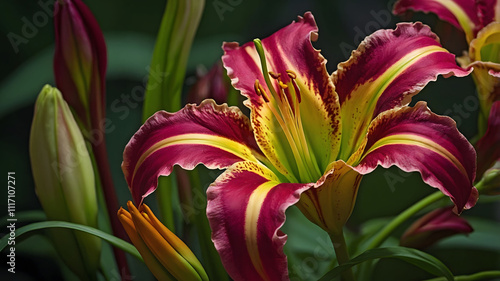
{"x": 415, "y": 257}
{"x": 24, "y": 216}
{"x": 168, "y": 66}
{"x": 117, "y": 242}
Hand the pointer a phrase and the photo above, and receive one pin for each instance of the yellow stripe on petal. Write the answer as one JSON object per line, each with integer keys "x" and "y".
{"x": 410, "y": 139}
{"x": 254, "y": 206}
{"x": 357, "y": 112}
{"x": 246, "y": 208}
{"x": 238, "y": 149}
{"x": 465, "y": 21}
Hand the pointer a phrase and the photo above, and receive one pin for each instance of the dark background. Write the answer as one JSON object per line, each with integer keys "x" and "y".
{"x": 130, "y": 28}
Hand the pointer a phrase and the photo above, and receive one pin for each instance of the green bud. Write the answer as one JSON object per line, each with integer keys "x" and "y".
{"x": 490, "y": 183}
{"x": 64, "y": 181}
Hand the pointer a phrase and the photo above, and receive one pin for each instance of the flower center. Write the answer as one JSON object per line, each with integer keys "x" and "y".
{"x": 283, "y": 100}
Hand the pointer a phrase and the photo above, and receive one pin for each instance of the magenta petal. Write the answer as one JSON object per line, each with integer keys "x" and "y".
{"x": 488, "y": 147}
{"x": 488, "y": 11}
{"x": 460, "y": 13}
{"x": 215, "y": 135}
{"x": 287, "y": 49}
{"x": 387, "y": 69}
{"x": 385, "y": 49}
{"x": 246, "y": 208}
{"x": 415, "y": 139}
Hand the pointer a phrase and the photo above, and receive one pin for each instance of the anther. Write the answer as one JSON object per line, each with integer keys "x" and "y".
{"x": 291, "y": 74}
{"x": 274, "y": 75}
{"x": 260, "y": 90}
{"x": 256, "y": 87}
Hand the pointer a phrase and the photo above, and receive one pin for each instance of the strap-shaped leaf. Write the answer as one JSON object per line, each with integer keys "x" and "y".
{"x": 415, "y": 257}
{"x": 178, "y": 27}
{"x": 117, "y": 242}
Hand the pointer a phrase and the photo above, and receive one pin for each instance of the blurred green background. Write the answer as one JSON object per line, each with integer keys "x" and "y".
{"x": 130, "y": 29}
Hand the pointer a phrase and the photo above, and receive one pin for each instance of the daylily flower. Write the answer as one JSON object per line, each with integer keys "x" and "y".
{"x": 64, "y": 181}
{"x": 80, "y": 62}
{"x": 480, "y": 21}
{"x": 309, "y": 140}
{"x": 433, "y": 227}
{"x": 165, "y": 254}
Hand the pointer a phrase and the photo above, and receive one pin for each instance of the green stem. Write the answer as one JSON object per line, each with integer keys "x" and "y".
{"x": 476, "y": 276}
{"x": 165, "y": 199}
{"x": 342, "y": 254}
{"x": 383, "y": 234}
{"x": 212, "y": 263}
{"x": 104, "y": 178}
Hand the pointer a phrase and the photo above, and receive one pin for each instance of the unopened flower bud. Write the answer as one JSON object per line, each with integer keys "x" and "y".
{"x": 490, "y": 183}
{"x": 80, "y": 62}
{"x": 212, "y": 85}
{"x": 433, "y": 227}
{"x": 64, "y": 181}
{"x": 165, "y": 254}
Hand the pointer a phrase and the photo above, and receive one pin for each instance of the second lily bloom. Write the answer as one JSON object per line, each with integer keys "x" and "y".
{"x": 309, "y": 140}
{"x": 480, "y": 21}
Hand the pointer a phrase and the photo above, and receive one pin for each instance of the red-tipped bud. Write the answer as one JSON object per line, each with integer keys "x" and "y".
{"x": 434, "y": 226}
{"x": 80, "y": 62}
{"x": 211, "y": 85}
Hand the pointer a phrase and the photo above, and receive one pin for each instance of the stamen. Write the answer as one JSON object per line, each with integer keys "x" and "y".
{"x": 282, "y": 86}
{"x": 274, "y": 75}
{"x": 289, "y": 98}
{"x": 291, "y": 74}
{"x": 256, "y": 87}
{"x": 260, "y": 90}
{"x": 285, "y": 107}
{"x": 297, "y": 91}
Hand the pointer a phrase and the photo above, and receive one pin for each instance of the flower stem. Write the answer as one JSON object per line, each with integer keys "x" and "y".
{"x": 108, "y": 188}
{"x": 212, "y": 261}
{"x": 383, "y": 234}
{"x": 476, "y": 276}
{"x": 164, "y": 196}
{"x": 342, "y": 254}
